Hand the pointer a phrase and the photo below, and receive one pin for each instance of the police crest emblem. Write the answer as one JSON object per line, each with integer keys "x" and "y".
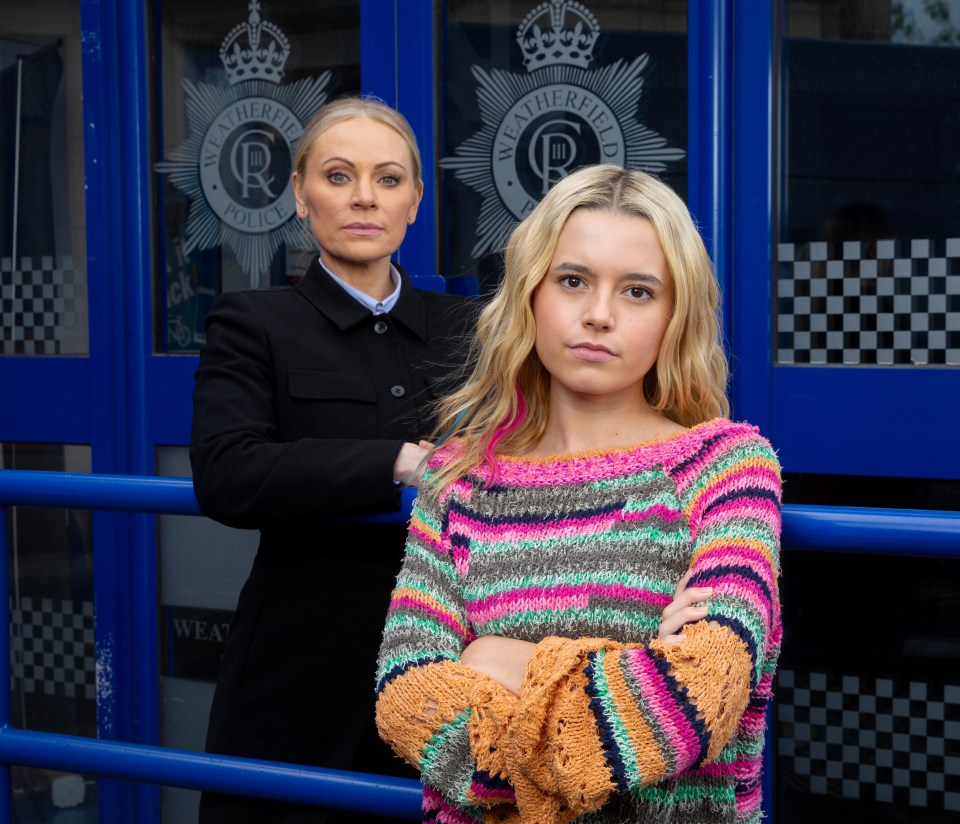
{"x": 561, "y": 115}
{"x": 235, "y": 165}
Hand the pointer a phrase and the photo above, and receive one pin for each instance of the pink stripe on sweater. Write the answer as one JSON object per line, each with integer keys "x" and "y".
{"x": 419, "y": 606}
{"x": 483, "y": 792}
{"x": 726, "y": 443}
{"x": 555, "y": 528}
{"x": 762, "y": 508}
{"x": 562, "y": 596}
{"x": 426, "y": 538}
{"x": 660, "y": 701}
{"x": 737, "y": 585}
{"x": 748, "y": 803}
{"x": 719, "y": 553}
{"x": 435, "y": 804}
{"x": 715, "y": 769}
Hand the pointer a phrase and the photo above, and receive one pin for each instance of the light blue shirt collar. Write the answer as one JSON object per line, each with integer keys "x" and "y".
{"x": 377, "y": 307}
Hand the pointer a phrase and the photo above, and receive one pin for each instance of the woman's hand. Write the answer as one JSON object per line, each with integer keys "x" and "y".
{"x": 410, "y": 462}
{"x": 502, "y": 659}
{"x": 685, "y": 608}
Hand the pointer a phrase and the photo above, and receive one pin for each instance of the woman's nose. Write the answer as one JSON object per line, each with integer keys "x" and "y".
{"x": 598, "y": 314}
{"x": 363, "y": 194}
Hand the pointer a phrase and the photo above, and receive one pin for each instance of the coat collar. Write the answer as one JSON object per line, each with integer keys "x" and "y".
{"x": 345, "y": 312}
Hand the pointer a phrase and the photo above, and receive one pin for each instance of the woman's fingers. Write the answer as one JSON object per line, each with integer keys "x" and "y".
{"x": 674, "y": 623}
{"x": 686, "y": 598}
{"x": 408, "y": 466}
{"x": 687, "y": 607}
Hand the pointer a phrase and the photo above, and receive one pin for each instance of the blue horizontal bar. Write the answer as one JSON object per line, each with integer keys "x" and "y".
{"x": 336, "y": 789}
{"x": 899, "y": 531}
{"x": 130, "y": 493}
{"x": 862, "y": 529}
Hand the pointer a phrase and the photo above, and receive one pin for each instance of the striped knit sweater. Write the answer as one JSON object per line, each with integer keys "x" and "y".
{"x": 580, "y": 554}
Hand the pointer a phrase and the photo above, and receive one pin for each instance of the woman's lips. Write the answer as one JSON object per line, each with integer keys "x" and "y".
{"x": 592, "y": 352}
{"x": 363, "y": 229}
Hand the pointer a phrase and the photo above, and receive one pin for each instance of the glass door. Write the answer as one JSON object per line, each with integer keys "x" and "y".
{"x": 867, "y": 290}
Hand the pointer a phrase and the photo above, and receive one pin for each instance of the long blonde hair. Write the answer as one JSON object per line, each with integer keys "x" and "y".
{"x": 503, "y": 405}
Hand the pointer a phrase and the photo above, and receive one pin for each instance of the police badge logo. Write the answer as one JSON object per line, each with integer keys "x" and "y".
{"x": 539, "y": 127}
{"x": 236, "y": 162}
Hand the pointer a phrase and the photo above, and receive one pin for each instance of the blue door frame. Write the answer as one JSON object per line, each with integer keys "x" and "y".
{"x": 125, "y": 401}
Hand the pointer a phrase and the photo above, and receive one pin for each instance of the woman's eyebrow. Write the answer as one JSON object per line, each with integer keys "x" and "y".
{"x": 629, "y": 277}
{"x": 578, "y": 268}
{"x": 347, "y": 162}
{"x": 338, "y": 159}
{"x": 642, "y": 277}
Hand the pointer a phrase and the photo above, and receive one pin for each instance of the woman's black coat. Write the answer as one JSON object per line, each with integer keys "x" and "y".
{"x": 302, "y": 401}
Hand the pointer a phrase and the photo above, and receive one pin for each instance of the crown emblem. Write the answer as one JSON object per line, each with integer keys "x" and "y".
{"x": 255, "y": 50}
{"x": 558, "y": 32}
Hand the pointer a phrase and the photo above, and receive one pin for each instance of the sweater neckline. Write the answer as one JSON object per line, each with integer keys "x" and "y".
{"x": 622, "y": 451}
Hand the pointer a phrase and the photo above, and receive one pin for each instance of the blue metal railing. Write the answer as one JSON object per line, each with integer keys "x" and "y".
{"x": 335, "y": 789}
{"x": 806, "y": 527}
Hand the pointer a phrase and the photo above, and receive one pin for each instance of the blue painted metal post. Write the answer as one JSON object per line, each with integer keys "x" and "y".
{"x": 708, "y": 145}
{"x": 117, "y": 176}
{"x": 754, "y": 152}
{"x": 751, "y": 295}
{"x": 101, "y": 146}
{"x": 752, "y": 306}
{"x": 378, "y": 49}
{"x": 6, "y": 785}
{"x": 409, "y": 85}
{"x": 416, "y": 97}
{"x": 138, "y": 543}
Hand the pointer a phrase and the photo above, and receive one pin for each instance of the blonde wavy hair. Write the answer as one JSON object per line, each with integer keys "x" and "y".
{"x": 503, "y": 405}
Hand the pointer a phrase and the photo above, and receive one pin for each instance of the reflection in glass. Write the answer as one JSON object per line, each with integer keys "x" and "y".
{"x": 53, "y": 668}
{"x": 869, "y": 253}
{"x": 202, "y": 566}
{"x": 238, "y": 82}
{"x": 866, "y": 729}
{"x": 43, "y": 278}
{"x": 530, "y": 93}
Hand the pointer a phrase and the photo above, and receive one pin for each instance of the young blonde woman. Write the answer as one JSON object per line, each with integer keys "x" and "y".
{"x": 587, "y": 621}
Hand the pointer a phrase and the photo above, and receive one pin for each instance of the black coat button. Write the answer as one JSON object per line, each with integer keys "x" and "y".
{"x": 398, "y": 391}
{"x": 379, "y": 327}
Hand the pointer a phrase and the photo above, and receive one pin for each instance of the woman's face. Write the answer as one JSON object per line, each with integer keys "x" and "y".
{"x": 359, "y": 192}
{"x": 604, "y": 305}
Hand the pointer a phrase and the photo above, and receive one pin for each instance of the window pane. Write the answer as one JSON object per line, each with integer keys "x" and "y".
{"x": 53, "y": 668}
{"x": 866, "y": 731}
{"x": 202, "y": 566}
{"x": 529, "y": 96}
{"x": 236, "y": 87}
{"x": 869, "y": 250}
{"x": 43, "y": 274}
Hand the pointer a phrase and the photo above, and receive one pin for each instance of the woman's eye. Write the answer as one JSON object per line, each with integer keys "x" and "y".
{"x": 337, "y": 177}
{"x": 390, "y": 180}
{"x": 571, "y": 281}
{"x": 640, "y": 292}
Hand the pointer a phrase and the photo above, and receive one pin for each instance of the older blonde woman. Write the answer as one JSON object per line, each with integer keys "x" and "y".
{"x": 311, "y": 401}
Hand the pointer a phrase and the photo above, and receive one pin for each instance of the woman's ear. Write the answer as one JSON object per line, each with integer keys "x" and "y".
{"x": 412, "y": 214}
{"x": 301, "y": 206}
